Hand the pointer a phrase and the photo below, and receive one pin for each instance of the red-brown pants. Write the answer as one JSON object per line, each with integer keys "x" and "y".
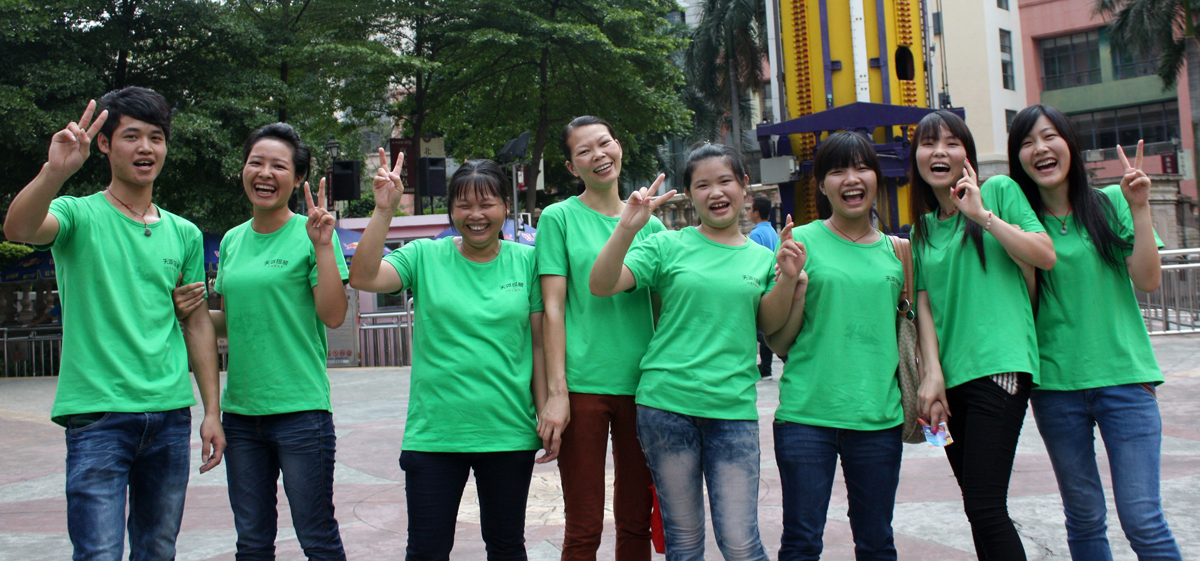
{"x": 581, "y": 462}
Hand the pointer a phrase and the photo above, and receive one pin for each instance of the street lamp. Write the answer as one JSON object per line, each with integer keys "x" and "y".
{"x": 333, "y": 148}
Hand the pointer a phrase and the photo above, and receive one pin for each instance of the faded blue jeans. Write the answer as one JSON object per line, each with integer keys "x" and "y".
{"x": 301, "y": 446}
{"x": 144, "y": 453}
{"x": 684, "y": 453}
{"x": 1132, "y": 431}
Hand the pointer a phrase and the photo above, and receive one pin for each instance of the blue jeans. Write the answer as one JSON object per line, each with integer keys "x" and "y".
{"x": 807, "y": 456}
{"x": 301, "y": 445}
{"x": 433, "y": 488}
{"x": 1132, "y": 431}
{"x": 146, "y": 453}
{"x": 683, "y": 452}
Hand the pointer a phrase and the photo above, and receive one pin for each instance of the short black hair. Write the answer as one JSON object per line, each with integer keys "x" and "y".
{"x": 842, "y": 150}
{"x": 733, "y": 159}
{"x": 581, "y": 121}
{"x": 482, "y": 177}
{"x": 138, "y": 103}
{"x": 762, "y": 206}
{"x": 283, "y": 132}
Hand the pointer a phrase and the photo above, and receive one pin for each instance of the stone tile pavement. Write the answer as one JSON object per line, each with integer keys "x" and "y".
{"x": 369, "y": 411}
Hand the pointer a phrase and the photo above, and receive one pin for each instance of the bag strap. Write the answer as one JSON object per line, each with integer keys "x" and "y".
{"x": 903, "y": 250}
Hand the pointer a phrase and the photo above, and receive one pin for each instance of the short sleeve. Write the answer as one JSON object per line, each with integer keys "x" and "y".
{"x": 64, "y": 209}
{"x": 404, "y": 260}
{"x": 219, "y": 285}
{"x": 771, "y": 276}
{"x": 918, "y": 278}
{"x": 193, "y": 255}
{"x": 644, "y": 260}
{"x": 535, "y": 283}
{"x": 1123, "y": 225}
{"x": 551, "y": 247}
{"x": 338, "y": 257}
{"x": 654, "y": 226}
{"x": 1005, "y": 198}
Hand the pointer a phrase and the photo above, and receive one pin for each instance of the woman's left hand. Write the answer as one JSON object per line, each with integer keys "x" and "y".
{"x": 1135, "y": 185}
{"x": 970, "y": 200}
{"x": 552, "y": 421}
{"x": 320, "y": 221}
{"x": 791, "y": 255}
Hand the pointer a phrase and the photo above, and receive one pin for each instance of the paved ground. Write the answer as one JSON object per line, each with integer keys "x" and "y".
{"x": 369, "y": 407}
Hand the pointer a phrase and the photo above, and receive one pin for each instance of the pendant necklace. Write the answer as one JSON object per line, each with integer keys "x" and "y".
{"x": 847, "y": 236}
{"x": 1062, "y": 220}
{"x": 141, "y": 215}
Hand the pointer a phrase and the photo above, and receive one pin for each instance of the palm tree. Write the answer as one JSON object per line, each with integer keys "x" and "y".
{"x": 726, "y": 56}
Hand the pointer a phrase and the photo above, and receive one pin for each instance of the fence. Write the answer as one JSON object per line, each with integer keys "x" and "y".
{"x": 386, "y": 337}
{"x": 1175, "y": 306}
{"x": 31, "y": 351}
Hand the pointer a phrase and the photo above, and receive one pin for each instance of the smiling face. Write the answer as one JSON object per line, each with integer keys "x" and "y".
{"x": 940, "y": 160}
{"x": 851, "y": 190}
{"x": 717, "y": 193}
{"x": 478, "y": 215}
{"x": 595, "y": 155}
{"x": 1045, "y": 155}
{"x": 269, "y": 174}
{"x": 136, "y": 151}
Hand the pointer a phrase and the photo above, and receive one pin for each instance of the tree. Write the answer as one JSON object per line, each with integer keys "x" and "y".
{"x": 726, "y": 56}
{"x": 1169, "y": 26}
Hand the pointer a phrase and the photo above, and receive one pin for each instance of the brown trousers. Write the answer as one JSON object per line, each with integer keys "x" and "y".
{"x": 581, "y": 462}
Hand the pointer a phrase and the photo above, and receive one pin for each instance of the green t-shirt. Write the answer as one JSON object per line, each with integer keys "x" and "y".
{"x": 700, "y": 361}
{"x": 983, "y": 318}
{"x": 1089, "y": 325}
{"x": 841, "y": 371}
{"x": 473, "y": 350}
{"x": 123, "y": 350}
{"x": 277, "y": 345}
{"x": 570, "y": 236}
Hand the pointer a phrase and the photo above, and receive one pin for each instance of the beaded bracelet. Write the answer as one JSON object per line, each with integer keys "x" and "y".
{"x": 988, "y": 226}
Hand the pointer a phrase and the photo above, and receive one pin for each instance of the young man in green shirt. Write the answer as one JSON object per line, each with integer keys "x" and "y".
{"x": 123, "y": 391}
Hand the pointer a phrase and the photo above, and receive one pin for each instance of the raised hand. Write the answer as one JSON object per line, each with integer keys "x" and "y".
{"x": 187, "y": 297}
{"x": 641, "y": 205}
{"x": 70, "y": 147}
{"x": 320, "y": 222}
{"x": 1135, "y": 185}
{"x": 970, "y": 200}
{"x": 387, "y": 184}
{"x": 791, "y": 255}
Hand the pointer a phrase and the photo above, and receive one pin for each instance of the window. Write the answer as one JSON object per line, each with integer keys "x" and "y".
{"x": 1127, "y": 64}
{"x": 1009, "y": 115}
{"x": 1154, "y": 122}
{"x": 1071, "y": 60}
{"x": 1002, "y": 4}
{"x": 1006, "y": 60}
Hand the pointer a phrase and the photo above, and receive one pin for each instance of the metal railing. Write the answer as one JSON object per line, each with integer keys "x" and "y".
{"x": 33, "y": 351}
{"x": 1175, "y": 306}
{"x": 386, "y": 338}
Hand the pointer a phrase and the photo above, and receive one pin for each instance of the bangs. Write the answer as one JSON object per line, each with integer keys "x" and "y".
{"x": 478, "y": 178}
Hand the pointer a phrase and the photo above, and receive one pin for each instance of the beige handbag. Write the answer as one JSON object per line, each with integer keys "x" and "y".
{"x": 906, "y": 339}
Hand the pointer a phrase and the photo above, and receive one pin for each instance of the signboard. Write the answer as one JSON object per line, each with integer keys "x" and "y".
{"x": 343, "y": 341}
{"x": 409, "y": 171}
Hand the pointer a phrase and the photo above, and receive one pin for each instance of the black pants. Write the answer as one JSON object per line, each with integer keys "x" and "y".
{"x": 985, "y": 422}
{"x": 765, "y": 356}
{"x": 433, "y": 485}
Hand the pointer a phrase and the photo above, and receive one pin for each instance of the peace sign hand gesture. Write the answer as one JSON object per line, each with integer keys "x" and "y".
{"x": 970, "y": 200}
{"x": 1135, "y": 185}
{"x": 70, "y": 147}
{"x": 388, "y": 186}
{"x": 791, "y": 255}
{"x": 641, "y": 205}
{"x": 320, "y": 222}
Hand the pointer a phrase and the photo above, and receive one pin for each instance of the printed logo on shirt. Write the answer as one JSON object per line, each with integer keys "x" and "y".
{"x": 513, "y": 287}
{"x": 895, "y": 281}
{"x": 752, "y": 281}
{"x": 172, "y": 263}
{"x": 275, "y": 263}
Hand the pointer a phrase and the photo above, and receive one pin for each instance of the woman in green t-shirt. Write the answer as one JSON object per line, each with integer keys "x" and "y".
{"x": 697, "y": 418}
{"x": 477, "y": 370}
{"x": 281, "y": 278}
{"x": 838, "y": 395}
{"x": 975, "y": 318}
{"x": 1097, "y": 366}
{"x": 598, "y": 377}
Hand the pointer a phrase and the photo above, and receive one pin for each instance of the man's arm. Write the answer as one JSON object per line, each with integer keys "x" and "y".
{"x": 201, "y": 342}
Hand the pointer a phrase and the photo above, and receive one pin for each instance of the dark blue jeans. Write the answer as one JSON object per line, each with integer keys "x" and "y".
{"x": 301, "y": 445}
{"x": 146, "y": 453}
{"x": 807, "y": 456}
{"x": 433, "y": 487}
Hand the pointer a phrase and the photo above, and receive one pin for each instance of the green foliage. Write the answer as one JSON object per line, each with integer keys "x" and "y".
{"x": 723, "y": 60}
{"x": 1150, "y": 25}
{"x": 11, "y": 253}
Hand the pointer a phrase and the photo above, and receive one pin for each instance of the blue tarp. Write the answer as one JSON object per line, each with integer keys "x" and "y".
{"x": 527, "y": 236}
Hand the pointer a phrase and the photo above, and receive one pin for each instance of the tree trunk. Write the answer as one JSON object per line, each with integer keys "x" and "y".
{"x": 543, "y": 129}
{"x": 128, "y": 10}
{"x": 735, "y": 109}
{"x": 283, "y": 77}
{"x": 417, "y": 117}
{"x": 1193, "y": 70}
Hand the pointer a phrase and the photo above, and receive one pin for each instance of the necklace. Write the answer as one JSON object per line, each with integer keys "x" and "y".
{"x": 845, "y": 235}
{"x": 1062, "y": 220}
{"x": 949, "y": 213}
{"x": 141, "y": 215}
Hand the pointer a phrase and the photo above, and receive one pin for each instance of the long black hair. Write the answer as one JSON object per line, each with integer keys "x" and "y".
{"x": 1092, "y": 209}
{"x": 842, "y": 150}
{"x": 921, "y": 198}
